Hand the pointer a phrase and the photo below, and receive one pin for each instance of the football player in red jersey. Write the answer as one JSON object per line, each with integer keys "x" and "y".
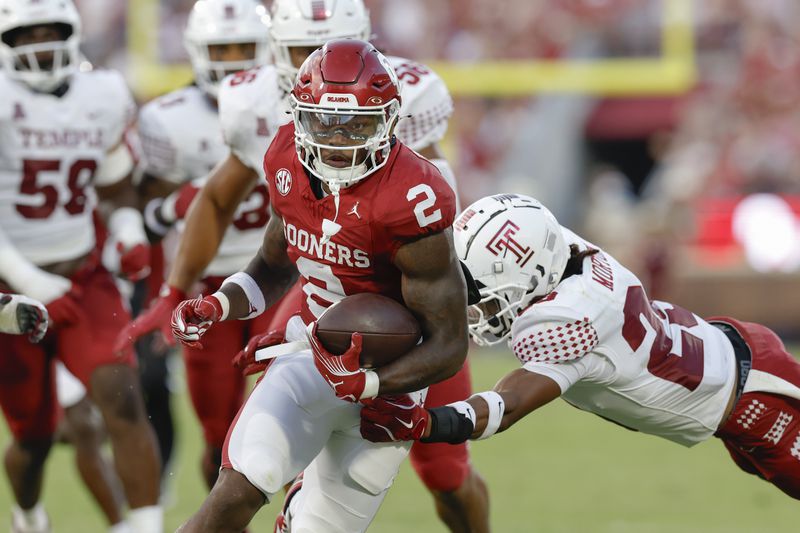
{"x": 583, "y": 329}
{"x": 353, "y": 211}
{"x": 248, "y": 104}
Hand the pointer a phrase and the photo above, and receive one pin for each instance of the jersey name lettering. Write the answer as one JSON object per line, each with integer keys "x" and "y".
{"x": 601, "y": 271}
{"x": 66, "y": 138}
{"x": 331, "y": 252}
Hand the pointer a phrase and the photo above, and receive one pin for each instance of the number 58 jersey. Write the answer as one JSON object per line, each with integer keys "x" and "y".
{"x": 403, "y": 201}
{"x": 650, "y": 366}
{"x": 50, "y": 148}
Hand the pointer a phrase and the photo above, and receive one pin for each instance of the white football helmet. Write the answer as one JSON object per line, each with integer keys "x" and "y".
{"x": 515, "y": 250}
{"x": 20, "y": 62}
{"x": 223, "y": 22}
{"x": 310, "y": 23}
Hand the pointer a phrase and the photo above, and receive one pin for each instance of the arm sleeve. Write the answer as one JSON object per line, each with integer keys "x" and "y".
{"x": 123, "y": 105}
{"x": 427, "y": 107}
{"x": 559, "y": 348}
{"x": 555, "y": 341}
{"x": 565, "y": 374}
{"x": 419, "y": 208}
{"x": 159, "y": 155}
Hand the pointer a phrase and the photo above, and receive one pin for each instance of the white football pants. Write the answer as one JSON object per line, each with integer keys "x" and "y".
{"x": 292, "y": 422}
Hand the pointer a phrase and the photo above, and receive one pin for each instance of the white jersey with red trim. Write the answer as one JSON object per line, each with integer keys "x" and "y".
{"x": 251, "y": 109}
{"x": 650, "y": 366}
{"x": 50, "y": 148}
{"x": 426, "y": 105}
{"x": 181, "y": 136}
{"x": 182, "y": 141}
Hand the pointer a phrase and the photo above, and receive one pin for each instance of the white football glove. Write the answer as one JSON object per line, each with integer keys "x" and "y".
{"x": 20, "y": 315}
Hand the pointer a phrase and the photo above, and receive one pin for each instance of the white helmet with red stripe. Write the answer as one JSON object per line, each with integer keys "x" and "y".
{"x": 25, "y": 62}
{"x": 214, "y": 22}
{"x": 515, "y": 250}
{"x": 310, "y": 24}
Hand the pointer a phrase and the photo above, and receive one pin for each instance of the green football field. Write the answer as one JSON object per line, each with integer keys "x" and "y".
{"x": 560, "y": 470}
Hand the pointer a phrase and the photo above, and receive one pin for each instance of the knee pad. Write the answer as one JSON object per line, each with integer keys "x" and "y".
{"x": 441, "y": 467}
{"x": 263, "y": 471}
{"x": 374, "y": 467}
{"x": 257, "y": 451}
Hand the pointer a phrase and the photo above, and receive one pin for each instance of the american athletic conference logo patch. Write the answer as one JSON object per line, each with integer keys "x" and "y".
{"x": 283, "y": 181}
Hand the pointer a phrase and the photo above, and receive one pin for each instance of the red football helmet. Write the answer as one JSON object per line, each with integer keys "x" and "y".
{"x": 345, "y": 103}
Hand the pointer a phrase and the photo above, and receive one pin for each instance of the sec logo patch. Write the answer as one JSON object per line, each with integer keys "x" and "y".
{"x": 283, "y": 181}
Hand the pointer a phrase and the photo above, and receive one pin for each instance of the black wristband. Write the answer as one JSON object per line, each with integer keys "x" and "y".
{"x": 448, "y": 425}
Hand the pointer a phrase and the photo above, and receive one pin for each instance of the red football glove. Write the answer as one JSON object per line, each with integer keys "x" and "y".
{"x": 245, "y": 360}
{"x": 343, "y": 372}
{"x": 134, "y": 263}
{"x": 192, "y": 318}
{"x": 157, "y": 316}
{"x": 65, "y": 310}
{"x": 392, "y": 419}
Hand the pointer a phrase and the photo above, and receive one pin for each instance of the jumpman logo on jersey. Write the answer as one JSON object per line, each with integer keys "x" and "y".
{"x": 354, "y": 211}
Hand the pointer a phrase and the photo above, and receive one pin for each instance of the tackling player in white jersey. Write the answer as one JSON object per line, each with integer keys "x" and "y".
{"x": 582, "y": 327}
{"x": 182, "y": 141}
{"x": 63, "y": 149}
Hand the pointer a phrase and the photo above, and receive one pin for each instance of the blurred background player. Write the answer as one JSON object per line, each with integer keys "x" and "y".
{"x": 182, "y": 141}
{"x": 339, "y": 153}
{"x": 250, "y": 104}
{"x": 81, "y": 426}
{"x": 64, "y": 129}
{"x": 20, "y": 315}
{"x": 582, "y": 327}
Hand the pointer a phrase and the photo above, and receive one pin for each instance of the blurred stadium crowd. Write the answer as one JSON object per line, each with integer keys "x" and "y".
{"x": 658, "y": 179}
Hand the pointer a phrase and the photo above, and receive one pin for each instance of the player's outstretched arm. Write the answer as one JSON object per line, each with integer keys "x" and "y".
{"x": 271, "y": 273}
{"x": 243, "y": 295}
{"x": 481, "y": 416}
{"x": 209, "y": 216}
{"x": 521, "y": 393}
{"x": 434, "y": 290}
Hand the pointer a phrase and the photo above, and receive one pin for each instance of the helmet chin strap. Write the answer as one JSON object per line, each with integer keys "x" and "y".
{"x": 331, "y": 227}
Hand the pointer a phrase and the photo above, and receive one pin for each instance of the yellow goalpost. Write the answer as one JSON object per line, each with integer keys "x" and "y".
{"x": 673, "y": 72}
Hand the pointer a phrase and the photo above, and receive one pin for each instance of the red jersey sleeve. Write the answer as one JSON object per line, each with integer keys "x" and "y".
{"x": 421, "y": 202}
{"x": 278, "y": 156}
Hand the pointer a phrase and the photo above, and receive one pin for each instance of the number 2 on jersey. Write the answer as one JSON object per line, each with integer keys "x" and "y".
{"x": 686, "y": 368}
{"x": 423, "y": 218}
{"x": 323, "y": 288}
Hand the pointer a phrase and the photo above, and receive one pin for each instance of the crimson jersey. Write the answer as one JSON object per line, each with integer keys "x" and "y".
{"x": 401, "y": 202}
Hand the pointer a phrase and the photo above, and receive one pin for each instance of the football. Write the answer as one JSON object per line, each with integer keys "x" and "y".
{"x": 388, "y": 329}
